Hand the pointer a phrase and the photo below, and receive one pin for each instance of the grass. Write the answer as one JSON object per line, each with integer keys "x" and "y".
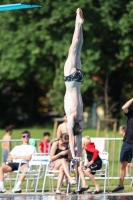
{"x": 38, "y": 133}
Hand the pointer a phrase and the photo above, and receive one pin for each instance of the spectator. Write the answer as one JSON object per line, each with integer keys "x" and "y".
{"x": 33, "y": 142}
{"x": 21, "y": 153}
{"x": 60, "y": 157}
{"x": 94, "y": 163}
{"x": 62, "y": 128}
{"x": 122, "y": 131}
{"x": 45, "y": 144}
{"x": 6, "y": 146}
{"x": 126, "y": 154}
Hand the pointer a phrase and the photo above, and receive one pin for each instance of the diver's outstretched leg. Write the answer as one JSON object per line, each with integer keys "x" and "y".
{"x": 77, "y": 39}
{"x": 73, "y": 60}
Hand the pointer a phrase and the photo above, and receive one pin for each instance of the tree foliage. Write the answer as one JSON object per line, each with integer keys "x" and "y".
{"x": 34, "y": 46}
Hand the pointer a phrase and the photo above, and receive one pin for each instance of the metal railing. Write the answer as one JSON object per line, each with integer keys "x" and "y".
{"x": 111, "y": 145}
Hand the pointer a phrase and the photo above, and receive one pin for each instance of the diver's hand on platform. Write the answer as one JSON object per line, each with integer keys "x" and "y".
{"x": 77, "y": 158}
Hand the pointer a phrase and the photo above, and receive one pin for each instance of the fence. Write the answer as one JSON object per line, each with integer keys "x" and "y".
{"x": 111, "y": 145}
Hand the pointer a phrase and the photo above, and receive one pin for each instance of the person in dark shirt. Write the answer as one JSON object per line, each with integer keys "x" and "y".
{"x": 60, "y": 157}
{"x": 122, "y": 131}
{"x": 126, "y": 154}
{"x": 94, "y": 163}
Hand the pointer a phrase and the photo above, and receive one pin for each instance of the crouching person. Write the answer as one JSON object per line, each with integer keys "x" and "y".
{"x": 19, "y": 154}
{"x": 94, "y": 163}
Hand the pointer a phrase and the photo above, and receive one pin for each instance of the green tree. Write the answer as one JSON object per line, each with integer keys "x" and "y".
{"x": 34, "y": 46}
{"x": 107, "y": 52}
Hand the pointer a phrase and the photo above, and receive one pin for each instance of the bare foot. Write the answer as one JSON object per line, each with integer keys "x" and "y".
{"x": 81, "y": 14}
{"x": 79, "y": 17}
{"x": 97, "y": 188}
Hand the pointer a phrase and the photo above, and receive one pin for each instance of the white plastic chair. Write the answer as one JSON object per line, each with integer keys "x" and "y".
{"x": 53, "y": 174}
{"x": 99, "y": 143}
{"x": 10, "y": 177}
{"x": 36, "y": 170}
{"x": 131, "y": 184}
{"x": 105, "y": 169}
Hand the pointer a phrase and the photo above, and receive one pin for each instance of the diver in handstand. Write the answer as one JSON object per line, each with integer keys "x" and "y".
{"x": 73, "y": 104}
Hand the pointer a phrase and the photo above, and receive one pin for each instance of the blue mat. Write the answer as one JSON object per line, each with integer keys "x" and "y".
{"x": 18, "y": 6}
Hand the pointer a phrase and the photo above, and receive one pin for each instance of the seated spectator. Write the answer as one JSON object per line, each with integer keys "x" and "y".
{"x": 21, "y": 153}
{"x": 62, "y": 128}
{"x": 94, "y": 163}
{"x": 45, "y": 144}
{"x": 33, "y": 143}
{"x": 60, "y": 157}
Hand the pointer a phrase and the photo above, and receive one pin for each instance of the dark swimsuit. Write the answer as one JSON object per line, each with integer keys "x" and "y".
{"x": 52, "y": 163}
{"x": 60, "y": 150}
{"x": 76, "y": 76}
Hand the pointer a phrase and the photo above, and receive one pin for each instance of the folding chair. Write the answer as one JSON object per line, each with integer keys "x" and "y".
{"x": 36, "y": 169}
{"x": 9, "y": 177}
{"x": 53, "y": 174}
{"x": 105, "y": 169}
{"x": 131, "y": 184}
{"x": 99, "y": 143}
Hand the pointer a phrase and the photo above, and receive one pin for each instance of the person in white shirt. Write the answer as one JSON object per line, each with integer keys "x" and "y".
{"x": 21, "y": 153}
